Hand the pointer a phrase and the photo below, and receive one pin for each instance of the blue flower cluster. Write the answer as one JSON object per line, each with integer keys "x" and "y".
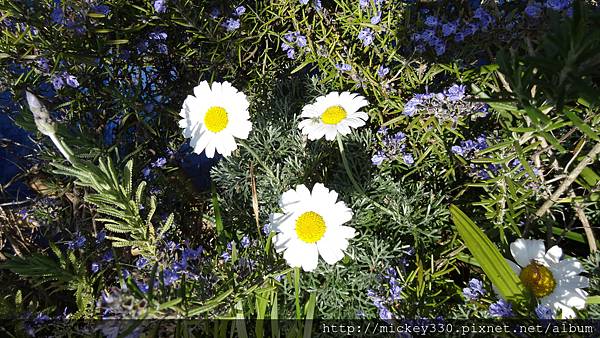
{"x": 474, "y": 290}
{"x": 391, "y": 287}
{"x": 74, "y": 19}
{"x": 393, "y": 147}
{"x": 469, "y": 148}
{"x": 437, "y": 31}
{"x": 448, "y": 105}
{"x": 59, "y": 80}
{"x": 292, "y": 40}
{"x": 233, "y": 22}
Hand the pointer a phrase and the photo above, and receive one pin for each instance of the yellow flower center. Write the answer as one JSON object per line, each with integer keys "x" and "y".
{"x": 216, "y": 119}
{"x": 333, "y": 115}
{"x": 538, "y": 279}
{"x": 310, "y": 227}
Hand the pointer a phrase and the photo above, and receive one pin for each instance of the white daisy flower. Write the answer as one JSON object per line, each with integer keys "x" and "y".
{"x": 214, "y": 117}
{"x": 333, "y": 114}
{"x": 554, "y": 282}
{"x": 311, "y": 224}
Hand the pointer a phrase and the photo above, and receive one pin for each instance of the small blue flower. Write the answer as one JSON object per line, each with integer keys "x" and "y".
{"x": 301, "y": 41}
{"x": 408, "y": 159}
{"x": 455, "y": 93}
{"x": 77, "y": 243}
{"x": 43, "y": 64}
{"x": 189, "y": 253}
{"x": 245, "y": 241}
{"x": 440, "y": 48}
{"x": 544, "y": 312}
{"x": 146, "y": 172}
{"x": 239, "y": 11}
{"x": 57, "y": 82}
{"x": 344, "y": 67}
{"x": 558, "y": 5}
{"x": 431, "y": 21}
{"x": 157, "y": 35}
{"x": 162, "y": 48}
{"x": 395, "y": 290}
{"x": 226, "y": 256}
{"x": 376, "y": 19}
{"x": 458, "y": 150}
{"x": 449, "y": 28}
{"x": 23, "y": 213}
{"x": 304, "y": 2}
{"x": 100, "y": 236}
{"x": 266, "y": 229}
{"x": 378, "y": 158}
{"x": 484, "y": 17}
{"x": 71, "y": 80}
{"x": 170, "y": 277}
{"x": 159, "y": 163}
{"x": 160, "y": 6}
{"x": 533, "y": 10}
{"x": 57, "y": 16}
{"x": 382, "y": 71}
{"x": 385, "y": 314}
{"x": 107, "y": 256}
{"x": 215, "y": 12}
{"x": 291, "y": 53}
{"x": 95, "y": 267}
{"x": 144, "y": 287}
{"x": 141, "y": 262}
{"x": 231, "y": 24}
{"x": 366, "y": 36}
{"x": 501, "y": 308}
{"x": 474, "y": 290}
{"x": 470, "y": 29}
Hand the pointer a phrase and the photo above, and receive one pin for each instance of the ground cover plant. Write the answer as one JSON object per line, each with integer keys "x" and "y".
{"x": 384, "y": 160}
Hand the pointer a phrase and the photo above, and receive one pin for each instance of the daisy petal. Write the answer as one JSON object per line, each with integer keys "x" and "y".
{"x": 524, "y": 250}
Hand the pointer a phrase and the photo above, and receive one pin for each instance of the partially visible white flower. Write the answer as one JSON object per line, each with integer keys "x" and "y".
{"x": 213, "y": 117}
{"x": 554, "y": 282}
{"x": 311, "y": 225}
{"x": 332, "y": 114}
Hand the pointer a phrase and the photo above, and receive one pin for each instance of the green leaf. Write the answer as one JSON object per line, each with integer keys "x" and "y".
{"x": 488, "y": 256}
{"x": 593, "y": 300}
{"x": 581, "y": 125}
{"x": 310, "y": 313}
{"x": 537, "y": 115}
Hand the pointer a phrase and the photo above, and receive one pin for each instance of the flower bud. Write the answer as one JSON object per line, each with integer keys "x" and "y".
{"x": 40, "y": 115}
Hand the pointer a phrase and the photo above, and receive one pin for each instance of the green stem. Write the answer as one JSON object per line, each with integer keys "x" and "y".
{"x": 347, "y": 166}
{"x": 64, "y": 150}
{"x": 297, "y": 291}
{"x": 253, "y": 153}
{"x": 217, "y": 209}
